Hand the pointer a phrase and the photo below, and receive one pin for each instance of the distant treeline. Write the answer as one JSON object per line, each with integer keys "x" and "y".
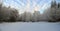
{"x": 51, "y": 14}
{"x": 8, "y": 14}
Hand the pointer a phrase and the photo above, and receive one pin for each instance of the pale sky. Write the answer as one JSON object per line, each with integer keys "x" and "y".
{"x": 28, "y": 5}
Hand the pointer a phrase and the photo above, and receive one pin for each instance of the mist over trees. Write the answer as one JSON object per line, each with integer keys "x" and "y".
{"x": 8, "y": 14}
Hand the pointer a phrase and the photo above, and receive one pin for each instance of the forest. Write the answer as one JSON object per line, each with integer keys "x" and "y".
{"x": 51, "y": 14}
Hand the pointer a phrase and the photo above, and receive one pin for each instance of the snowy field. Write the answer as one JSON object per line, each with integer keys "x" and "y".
{"x": 29, "y": 26}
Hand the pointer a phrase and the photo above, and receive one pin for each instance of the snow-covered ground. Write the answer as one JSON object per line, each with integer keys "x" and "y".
{"x": 29, "y": 26}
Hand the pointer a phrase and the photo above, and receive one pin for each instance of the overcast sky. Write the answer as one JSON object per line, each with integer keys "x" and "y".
{"x": 28, "y": 5}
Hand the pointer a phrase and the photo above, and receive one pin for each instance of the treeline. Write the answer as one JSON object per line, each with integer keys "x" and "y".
{"x": 51, "y": 14}
{"x": 8, "y": 14}
{"x": 54, "y": 11}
